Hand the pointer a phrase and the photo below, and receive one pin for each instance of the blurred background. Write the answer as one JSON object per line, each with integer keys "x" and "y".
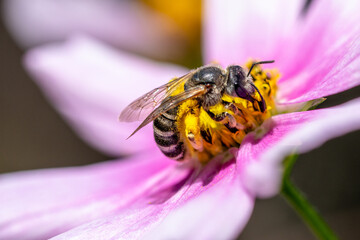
{"x": 33, "y": 135}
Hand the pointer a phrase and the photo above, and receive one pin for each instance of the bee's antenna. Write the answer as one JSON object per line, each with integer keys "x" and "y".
{"x": 257, "y": 63}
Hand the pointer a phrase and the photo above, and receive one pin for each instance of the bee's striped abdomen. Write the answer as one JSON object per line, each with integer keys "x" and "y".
{"x": 167, "y": 135}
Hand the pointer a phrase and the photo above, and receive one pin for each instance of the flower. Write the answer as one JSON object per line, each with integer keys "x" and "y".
{"x": 148, "y": 196}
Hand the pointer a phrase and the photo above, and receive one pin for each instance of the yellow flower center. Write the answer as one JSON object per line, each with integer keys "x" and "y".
{"x": 205, "y": 138}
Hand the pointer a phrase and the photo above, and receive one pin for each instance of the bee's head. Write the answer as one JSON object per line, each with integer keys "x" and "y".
{"x": 242, "y": 85}
{"x": 239, "y": 85}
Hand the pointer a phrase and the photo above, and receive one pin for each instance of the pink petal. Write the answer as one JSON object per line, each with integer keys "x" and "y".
{"x": 144, "y": 197}
{"x": 43, "y": 203}
{"x": 212, "y": 205}
{"x": 317, "y": 54}
{"x": 292, "y": 133}
{"x": 120, "y": 23}
{"x": 236, "y": 30}
{"x": 90, "y": 84}
{"x": 325, "y": 53}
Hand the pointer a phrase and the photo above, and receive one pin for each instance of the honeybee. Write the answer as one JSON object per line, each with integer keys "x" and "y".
{"x": 191, "y": 114}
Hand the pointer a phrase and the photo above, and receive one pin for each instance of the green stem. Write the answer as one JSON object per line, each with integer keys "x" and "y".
{"x": 308, "y": 213}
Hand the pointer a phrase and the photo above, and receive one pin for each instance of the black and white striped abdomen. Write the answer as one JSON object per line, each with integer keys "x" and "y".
{"x": 167, "y": 135}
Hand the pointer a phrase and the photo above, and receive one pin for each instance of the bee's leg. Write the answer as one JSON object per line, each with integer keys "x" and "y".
{"x": 224, "y": 118}
{"x": 232, "y": 107}
{"x": 227, "y": 118}
{"x": 192, "y": 132}
{"x": 238, "y": 112}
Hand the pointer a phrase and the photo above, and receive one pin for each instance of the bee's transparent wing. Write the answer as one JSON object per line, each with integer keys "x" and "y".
{"x": 139, "y": 109}
{"x": 170, "y": 103}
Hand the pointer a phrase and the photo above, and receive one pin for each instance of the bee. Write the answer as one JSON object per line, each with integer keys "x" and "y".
{"x": 183, "y": 111}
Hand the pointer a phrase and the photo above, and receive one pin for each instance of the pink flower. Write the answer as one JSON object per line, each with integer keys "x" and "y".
{"x": 147, "y": 196}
